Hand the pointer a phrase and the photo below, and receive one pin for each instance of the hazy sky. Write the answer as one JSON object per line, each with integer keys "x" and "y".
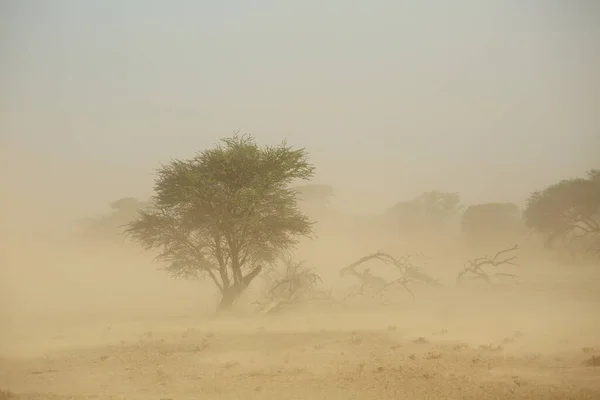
{"x": 391, "y": 98}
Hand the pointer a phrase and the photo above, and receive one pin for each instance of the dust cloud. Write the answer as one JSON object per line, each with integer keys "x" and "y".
{"x": 391, "y": 100}
{"x": 93, "y": 318}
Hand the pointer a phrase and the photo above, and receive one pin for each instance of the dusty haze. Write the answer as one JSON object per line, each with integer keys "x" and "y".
{"x": 391, "y": 99}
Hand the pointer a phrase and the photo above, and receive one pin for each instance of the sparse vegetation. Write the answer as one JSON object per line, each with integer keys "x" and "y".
{"x": 569, "y": 211}
{"x": 226, "y": 214}
{"x": 230, "y": 213}
{"x": 375, "y": 285}
{"x": 429, "y": 210}
{"x": 236, "y": 212}
{"x": 293, "y": 285}
{"x": 474, "y": 268}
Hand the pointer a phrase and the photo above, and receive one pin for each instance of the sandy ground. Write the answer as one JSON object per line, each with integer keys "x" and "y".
{"x": 472, "y": 346}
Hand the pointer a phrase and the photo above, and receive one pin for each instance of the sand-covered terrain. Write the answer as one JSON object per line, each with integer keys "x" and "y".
{"x": 299, "y": 200}
{"x": 456, "y": 345}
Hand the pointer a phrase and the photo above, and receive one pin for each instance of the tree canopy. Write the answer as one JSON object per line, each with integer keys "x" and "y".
{"x": 569, "y": 208}
{"x": 227, "y": 213}
{"x": 430, "y": 209}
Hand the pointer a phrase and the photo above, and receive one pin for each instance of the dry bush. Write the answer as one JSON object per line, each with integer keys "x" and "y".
{"x": 474, "y": 268}
{"x": 375, "y": 285}
{"x": 294, "y": 284}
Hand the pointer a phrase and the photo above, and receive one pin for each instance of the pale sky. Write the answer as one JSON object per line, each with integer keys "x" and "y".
{"x": 492, "y": 99}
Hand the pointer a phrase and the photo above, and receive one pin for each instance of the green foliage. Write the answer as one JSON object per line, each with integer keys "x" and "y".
{"x": 227, "y": 213}
{"x": 569, "y": 208}
{"x": 491, "y": 221}
{"x": 430, "y": 209}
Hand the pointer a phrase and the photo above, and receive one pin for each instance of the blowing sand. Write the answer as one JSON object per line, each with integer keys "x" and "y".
{"x": 455, "y": 345}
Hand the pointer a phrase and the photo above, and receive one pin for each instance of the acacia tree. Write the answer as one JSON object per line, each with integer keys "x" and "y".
{"x": 226, "y": 214}
{"x": 430, "y": 209}
{"x": 569, "y": 209}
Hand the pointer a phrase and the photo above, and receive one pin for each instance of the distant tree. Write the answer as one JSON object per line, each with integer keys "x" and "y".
{"x": 315, "y": 193}
{"x": 491, "y": 222}
{"x": 226, "y": 214}
{"x": 594, "y": 175}
{"x": 430, "y": 209}
{"x": 568, "y": 210}
{"x": 110, "y": 227}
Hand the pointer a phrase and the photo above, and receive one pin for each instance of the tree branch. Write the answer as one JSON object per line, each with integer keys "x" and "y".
{"x": 248, "y": 278}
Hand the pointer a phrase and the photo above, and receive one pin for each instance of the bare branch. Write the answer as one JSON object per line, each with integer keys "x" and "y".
{"x": 295, "y": 285}
{"x": 377, "y": 285}
{"x": 474, "y": 268}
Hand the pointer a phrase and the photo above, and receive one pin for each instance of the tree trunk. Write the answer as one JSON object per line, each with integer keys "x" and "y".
{"x": 228, "y": 297}
{"x": 231, "y": 293}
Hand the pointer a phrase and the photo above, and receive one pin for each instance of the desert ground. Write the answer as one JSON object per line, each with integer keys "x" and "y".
{"x": 525, "y": 343}
{"x": 158, "y": 158}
